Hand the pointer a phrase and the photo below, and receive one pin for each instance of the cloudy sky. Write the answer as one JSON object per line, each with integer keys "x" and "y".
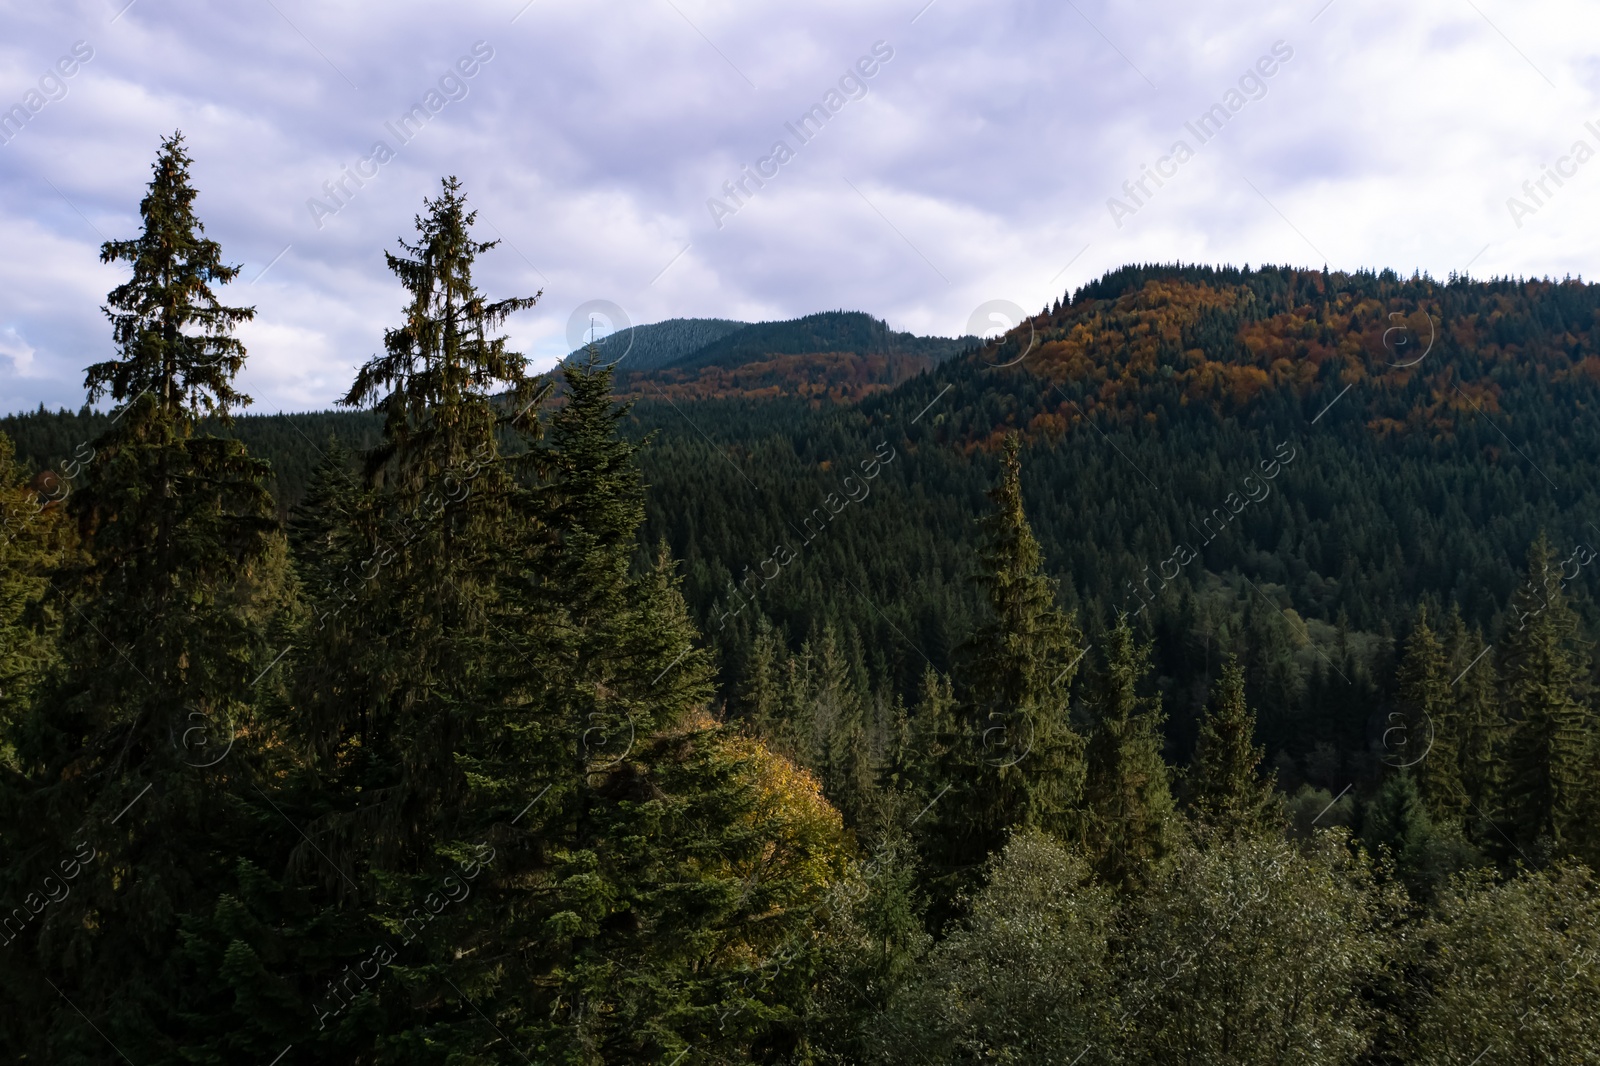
{"x": 977, "y": 162}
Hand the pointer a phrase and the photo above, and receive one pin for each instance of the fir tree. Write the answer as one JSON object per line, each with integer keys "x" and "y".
{"x": 1429, "y": 738}
{"x": 1226, "y": 789}
{"x": 401, "y": 664}
{"x": 1128, "y": 808}
{"x": 1424, "y": 853}
{"x": 1021, "y": 763}
{"x": 843, "y": 752}
{"x": 934, "y": 735}
{"x": 174, "y": 340}
{"x": 759, "y": 692}
{"x": 654, "y": 839}
{"x": 131, "y": 744}
{"x": 1544, "y": 685}
{"x": 1479, "y": 717}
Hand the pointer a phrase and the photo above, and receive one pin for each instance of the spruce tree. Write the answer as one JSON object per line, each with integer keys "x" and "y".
{"x": 400, "y": 659}
{"x": 138, "y": 746}
{"x": 628, "y": 891}
{"x": 1226, "y": 789}
{"x": 840, "y": 742}
{"x": 1424, "y": 852}
{"x": 1479, "y": 717}
{"x": 760, "y": 689}
{"x": 1428, "y": 735}
{"x": 1544, "y": 691}
{"x": 1128, "y": 808}
{"x": 934, "y": 734}
{"x": 1020, "y": 763}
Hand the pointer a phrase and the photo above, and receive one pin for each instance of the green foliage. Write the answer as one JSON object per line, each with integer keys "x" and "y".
{"x": 1430, "y": 734}
{"x": 1018, "y": 763}
{"x": 129, "y": 745}
{"x": 32, "y": 540}
{"x": 1226, "y": 789}
{"x": 1256, "y": 950}
{"x": 1545, "y": 685}
{"x": 1479, "y": 720}
{"x": 1025, "y": 978}
{"x": 174, "y": 340}
{"x": 1129, "y": 815}
{"x": 1510, "y": 970}
{"x": 1422, "y": 851}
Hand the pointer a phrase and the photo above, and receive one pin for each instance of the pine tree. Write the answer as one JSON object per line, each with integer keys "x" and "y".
{"x": 627, "y": 890}
{"x": 1429, "y": 738}
{"x": 934, "y": 735}
{"x": 1226, "y": 789}
{"x": 135, "y": 747}
{"x": 401, "y": 664}
{"x": 759, "y": 691}
{"x": 1544, "y": 686}
{"x": 842, "y": 750}
{"x": 1020, "y": 763}
{"x": 1128, "y": 808}
{"x": 1478, "y": 713}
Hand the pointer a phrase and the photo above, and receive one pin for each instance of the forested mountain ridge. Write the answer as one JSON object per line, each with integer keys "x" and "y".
{"x": 833, "y": 356}
{"x": 1143, "y": 341}
{"x": 659, "y": 343}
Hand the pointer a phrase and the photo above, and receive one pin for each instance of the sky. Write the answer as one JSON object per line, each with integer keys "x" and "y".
{"x": 964, "y": 159}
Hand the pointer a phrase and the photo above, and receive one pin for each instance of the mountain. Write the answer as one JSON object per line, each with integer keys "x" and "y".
{"x": 834, "y": 356}
{"x": 661, "y": 343}
{"x": 829, "y": 331}
{"x": 1276, "y": 461}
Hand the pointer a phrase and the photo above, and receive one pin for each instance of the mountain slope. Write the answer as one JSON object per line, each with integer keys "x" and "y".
{"x": 660, "y": 343}
{"x": 835, "y": 356}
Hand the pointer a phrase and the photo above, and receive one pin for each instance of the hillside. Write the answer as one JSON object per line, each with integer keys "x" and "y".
{"x": 834, "y": 356}
{"x": 660, "y": 343}
{"x": 1148, "y": 398}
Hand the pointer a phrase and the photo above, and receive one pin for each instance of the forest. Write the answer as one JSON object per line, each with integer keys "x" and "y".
{"x": 1202, "y": 672}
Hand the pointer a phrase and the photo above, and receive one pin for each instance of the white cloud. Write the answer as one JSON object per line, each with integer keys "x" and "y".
{"x": 19, "y": 351}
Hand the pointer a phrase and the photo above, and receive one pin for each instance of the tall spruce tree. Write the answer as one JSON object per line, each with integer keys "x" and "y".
{"x": 1226, "y": 789}
{"x": 1544, "y": 688}
{"x": 1128, "y": 809}
{"x": 1429, "y": 738}
{"x": 840, "y": 741}
{"x": 498, "y": 685}
{"x": 1019, "y": 761}
{"x": 1480, "y": 718}
{"x": 130, "y": 747}
{"x": 400, "y": 663}
{"x": 620, "y": 923}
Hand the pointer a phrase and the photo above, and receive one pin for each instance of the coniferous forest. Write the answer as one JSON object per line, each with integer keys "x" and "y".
{"x": 1203, "y": 672}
